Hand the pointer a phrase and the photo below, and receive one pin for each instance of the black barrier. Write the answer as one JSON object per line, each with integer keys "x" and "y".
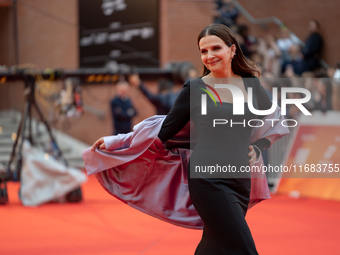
{"x": 176, "y": 71}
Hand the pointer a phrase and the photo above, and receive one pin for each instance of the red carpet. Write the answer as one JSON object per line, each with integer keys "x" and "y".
{"x": 103, "y": 225}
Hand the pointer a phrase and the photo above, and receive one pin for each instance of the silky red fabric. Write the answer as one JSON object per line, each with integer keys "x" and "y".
{"x": 137, "y": 169}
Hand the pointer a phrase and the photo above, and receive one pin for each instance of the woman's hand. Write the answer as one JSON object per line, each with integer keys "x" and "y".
{"x": 251, "y": 155}
{"x": 99, "y": 143}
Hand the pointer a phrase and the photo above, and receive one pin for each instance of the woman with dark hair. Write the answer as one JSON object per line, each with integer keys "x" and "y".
{"x": 241, "y": 65}
{"x": 222, "y": 203}
{"x": 220, "y": 200}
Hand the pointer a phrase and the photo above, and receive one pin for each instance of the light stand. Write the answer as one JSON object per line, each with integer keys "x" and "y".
{"x": 16, "y": 155}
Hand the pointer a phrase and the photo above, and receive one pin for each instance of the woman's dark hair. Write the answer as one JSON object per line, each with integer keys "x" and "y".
{"x": 240, "y": 64}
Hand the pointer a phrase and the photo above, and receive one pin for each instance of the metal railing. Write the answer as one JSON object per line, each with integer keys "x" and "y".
{"x": 276, "y": 154}
{"x": 268, "y": 20}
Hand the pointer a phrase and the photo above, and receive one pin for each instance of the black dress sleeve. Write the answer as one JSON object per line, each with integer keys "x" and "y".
{"x": 264, "y": 103}
{"x": 178, "y": 116}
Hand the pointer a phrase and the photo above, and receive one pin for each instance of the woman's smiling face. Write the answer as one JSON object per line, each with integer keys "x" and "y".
{"x": 215, "y": 54}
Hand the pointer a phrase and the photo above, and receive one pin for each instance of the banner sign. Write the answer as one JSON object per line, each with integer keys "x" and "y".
{"x": 315, "y": 156}
{"x": 116, "y": 33}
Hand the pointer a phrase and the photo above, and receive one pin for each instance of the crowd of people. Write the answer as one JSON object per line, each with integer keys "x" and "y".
{"x": 274, "y": 53}
{"x": 284, "y": 59}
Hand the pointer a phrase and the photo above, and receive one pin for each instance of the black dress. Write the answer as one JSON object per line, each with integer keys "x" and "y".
{"x": 222, "y": 203}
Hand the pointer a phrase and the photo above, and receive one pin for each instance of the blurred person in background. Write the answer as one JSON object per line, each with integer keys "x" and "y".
{"x": 246, "y": 41}
{"x": 257, "y": 59}
{"x": 166, "y": 96}
{"x": 226, "y": 13}
{"x": 289, "y": 72}
{"x": 313, "y": 47}
{"x": 271, "y": 53}
{"x": 122, "y": 109}
{"x": 286, "y": 41}
{"x": 295, "y": 60}
{"x": 323, "y": 93}
{"x": 164, "y": 99}
{"x": 308, "y": 83}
